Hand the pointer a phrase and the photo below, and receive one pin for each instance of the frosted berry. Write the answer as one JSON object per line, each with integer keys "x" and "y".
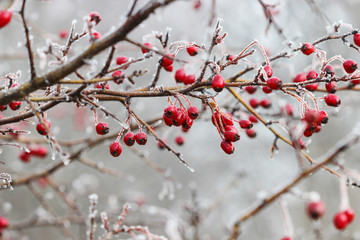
{"x": 4, "y": 222}
{"x": 250, "y": 89}
{"x": 350, "y": 66}
{"x": 300, "y": 77}
{"x": 332, "y": 100}
{"x": 265, "y": 103}
{"x": 95, "y": 16}
{"x": 179, "y": 140}
{"x": 307, "y": 48}
{"x": 41, "y": 129}
{"x": 251, "y": 133}
{"x": 357, "y": 39}
{"x": 115, "y": 149}
{"x": 312, "y": 75}
{"x": 350, "y": 214}
{"x": 274, "y": 83}
{"x": 227, "y": 146}
{"x": 121, "y": 60}
{"x": 189, "y": 79}
{"x": 323, "y": 117}
{"x": 129, "y": 139}
{"x": 192, "y": 51}
{"x": 266, "y": 89}
{"x": 188, "y": 122}
{"x": 25, "y": 157}
{"x": 315, "y": 209}
{"x": 180, "y": 75}
{"x": 230, "y": 57}
{"x": 5, "y": 18}
{"x": 231, "y": 134}
{"x": 15, "y": 105}
{"x": 39, "y": 151}
{"x": 167, "y": 60}
{"x": 312, "y": 87}
{"x": 193, "y": 112}
{"x": 254, "y": 103}
{"x": 168, "y": 121}
{"x": 329, "y": 70}
{"x": 311, "y": 115}
{"x": 147, "y": 45}
{"x": 268, "y": 70}
{"x": 179, "y": 118}
{"x": 218, "y": 83}
{"x": 141, "y": 138}
{"x": 118, "y": 77}
{"x": 340, "y": 220}
{"x": 227, "y": 119}
{"x": 63, "y": 34}
{"x": 170, "y": 111}
{"x": 169, "y": 68}
{"x": 330, "y": 87}
{"x": 102, "y": 128}
{"x": 96, "y": 35}
{"x": 253, "y": 119}
{"x": 245, "y": 124}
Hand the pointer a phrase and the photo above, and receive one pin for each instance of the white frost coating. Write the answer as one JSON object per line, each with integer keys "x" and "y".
{"x": 172, "y": 229}
{"x": 93, "y": 198}
{"x": 261, "y": 195}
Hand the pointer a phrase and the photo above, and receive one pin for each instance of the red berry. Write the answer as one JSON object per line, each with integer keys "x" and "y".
{"x": 311, "y": 115}
{"x": 231, "y": 134}
{"x": 268, "y": 70}
{"x": 245, "y": 124}
{"x": 148, "y": 45}
{"x": 95, "y": 16}
{"x": 3, "y": 222}
{"x": 121, "y": 60}
{"x": 218, "y": 83}
{"x": 5, "y": 18}
{"x": 179, "y": 140}
{"x": 193, "y": 112}
{"x": 129, "y": 139}
{"x": 189, "y": 79}
{"x": 187, "y": 123}
{"x": 254, "y": 103}
{"x": 266, "y": 89}
{"x": 307, "y": 48}
{"x": 329, "y": 70}
{"x": 102, "y": 85}
{"x": 357, "y": 39}
{"x": 250, "y": 89}
{"x": 25, "y": 156}
{"x": 180, "y": 117}
{"x": 102, "y": 128}
{"x": 15, "y": 105}
{"x": 332, "y": 100}
{"x": 170, "y": 111}
{"x": 251, "y": 133}
{"x": 230, "y": 57}
{"x": 350, "y": 66}
{"x": 3, "y": 108}
{"x": 168, "y": 121}
{"x": 323, "y": 117}
{"x": 308, "y": 132}
{"x": 253, "y": 119}
{"x": 227, "y": 119}
{"x": 192, "y": 51}
{"x": 216, "y": 119}
{"x": 312, "y": 75}
{"x": 169, "y": 68}
{"x": 301, "y": 77}
{"x": 41, "y": 129}
{"x": 167, "y": 60}
{"x": 330, "y": 87}
{"x": 265, "y": 103}
{"x": 350, "y": 214}
{"x": 274, "y": 83}
{"x": 141, "y": 138}
{"x": 115, "y": 149}
{"x": 286, "y": 238}
{"x": 312, "y": 87}
{"x": 118, "y": 77}
{"x": 227, "y": 146}
{"x": 40, "y": 151}
{"x": 63, "y": 33}
{"x": 161, "y": 146}
{"x": 96, "y": 35}
{"x": 180, "y": 75}
{"x": 316, "y": 209}
{"x": 340, "y": 220}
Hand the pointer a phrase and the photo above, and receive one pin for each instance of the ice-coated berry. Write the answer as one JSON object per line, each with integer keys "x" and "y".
{"x": 193, "y": 112}
{"x": 102, "y": 128}
{"x": 41, "y": 129}
{"x": 315, "y": 209}
{"x": 307, "y": 48}
{"x": 350, "y": 66}
{"x": 141, "y": 138}
{"x": 218, "y": 83}
{"x": 192, "y": 50}
{"x": 274, "y": 83}
{"x": 115, "y": 149}
{"x": 180, "y": 75}
{"x": 129, "y": 139}
{"x": 227, "y": 146}
{"x": 332, "y": 100}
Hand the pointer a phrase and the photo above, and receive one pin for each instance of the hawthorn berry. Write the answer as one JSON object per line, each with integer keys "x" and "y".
{"x": 266, "y": 89}
{"x": 330, "y": 87}
{"x": 179, "y": 119}
{"x": 311, "y": 75}
{"x": 180, "y": 75}
{"x": 300, "y": 77}
{"x": 39, "y": 151}
{"x": 251, "y": 133}
{"x": 169, "y": 68}
{"x": 253, "y": 119}
{"x": 323, "y": 117}
{"x": 193, "y": 112}
{"x": 3, "y": 108}
{"x": 4, "y": 222}
{"x": 350, "y": 214}
{"x": 63, "y": 33}
{"x": 15, "y": 105}
{"x": 230, "y": 57}
{"x": 96, "y": 35}
{"x": 187, "y": 123}
{"x": 312, "y": 87}
{"x": 308, "y": 132}
{"x": 307, "y": 48}
{"x": 350, "y": 66}
{"x": 315, "y": 209}
{"x": 167, "y": 60}
{"x": 129, "y": 139}
{"x": 268, "y": 70}
{"x": 161, "y": 146}
{"x": 231, "y": 134}
{"x": 227, "y": 146}
{"x": 218, "y": 83}
{"x": 357, "y": 39}
{"x": 192, "y": 50}
{"x": 189, "y": 79}
{"x": 95, "y": 16}
{"x": 311, "y": 115}
{"x": 340, "y": 220}
{"x": 148, "y": 46}
{"x": 332, "y": 100}
{"x": 274, "y": 83}
{"x": 121, "y": 60}
{"x": 245, "y": 124}
{"x": 118, "y": 77}
{"x": 141, "y": 138}
{"x": 329, "y": 70}
{"x": 265, "y": 103}
{"x": 250, "y": 89}
{"x": 102, "y": 128}
{"x": 179, "y": 140}
{"x": 227, "y": 119}
{"x": 5, "y": 18}
{"x": 286, "y": 238}
{"x": 41, "y": 129}
{"x": 170, "y": 111}
{"x": 254, "y": 103}
{"x": 168, "y": 121}
{"x": 115, "y": 149}
{"x": 25, "y": 156}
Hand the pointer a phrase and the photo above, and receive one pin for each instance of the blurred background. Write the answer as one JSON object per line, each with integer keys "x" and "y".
{"x": 223, "y": 187}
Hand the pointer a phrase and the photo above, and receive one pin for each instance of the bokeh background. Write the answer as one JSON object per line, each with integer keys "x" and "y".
{"x": 250, "y": 172}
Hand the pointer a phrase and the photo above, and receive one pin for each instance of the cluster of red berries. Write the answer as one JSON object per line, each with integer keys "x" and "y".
{"x": 130, "y": 138}
{"x": 313, "y": 120}
{"x": 38, "y": 151}
{"x": 342, "y": 219}
{"x": 13, "y": 105}
{"x": 180, "y": 116}
{"x": 181, "y": 77}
